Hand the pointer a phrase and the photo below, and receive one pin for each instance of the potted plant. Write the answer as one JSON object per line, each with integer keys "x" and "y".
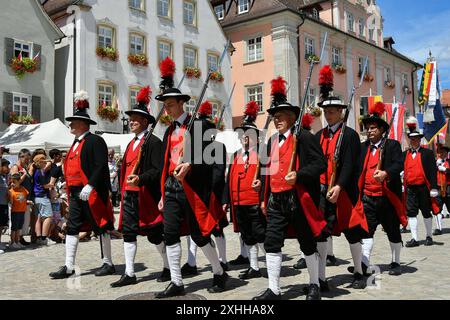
{"x": 340, "y": 68}
{"x": 367, "y": 77}
{"x": 22, "y": 65}
{"x": 139, "y": 59}
{"x": 312, "y": 57}
{"x": 26, "y": 119}
{"x": 108, "y": 53}
{"x": 216, "y": 76}
{"x": 192, "y": 72}
{"x": 389, "y": 84}
{"x": 109, "y": 113}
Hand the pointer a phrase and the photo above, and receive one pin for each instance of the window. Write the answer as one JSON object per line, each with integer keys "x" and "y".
{"x": 105, "y": 37}
{"x": 22, "y": 104}
{"x": 405, "y": 80}
{"x": 164, "y": 50}
{"x": 255, "y": 93}
{"x": 350, "y": 22}
{"x": 361, "y": 65}
{"x": 216, "y": 105}
{"x": 243, "y": 6}
{"x": 137, "y": 43}
{"x": 254, "y": 49}
{"x": 213, "y": 62}
{"x": 133, "y": 94}
{"x": 22, "y": 48}
{"x": 137, "y": 4}
{"x": 387, "y": 74}
{"x": 371, "y": 34}
{"x": 190, "y": 57}
{"x": 315, "y": 13}
{"x": 309, "y": 47}
{"x": 336, "y": 56}
{"x": 163, "y": 8}
{"x": 190, "y": 106}
{"x": 189, "y": 12}
{"x": 105, "y": 93}
{"x": 311, "y": 98}
{"x": 361, "y": 27}
{"x": 220, "y": 11}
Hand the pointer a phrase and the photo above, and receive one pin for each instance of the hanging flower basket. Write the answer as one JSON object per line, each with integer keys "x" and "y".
{"x": 216, "y": 76}
{"x": 15, "y": 118}
{"x": 192, "y": 72}
{"x": 390, "y": 84}
{"x": 108, "y": 53}
{"x": 138, "y": 59}
{"x": 108, "y": 113}
{"x": 340, "y": 68}
{"x": 166, "y": 119}
{"x": 22, "y": 65}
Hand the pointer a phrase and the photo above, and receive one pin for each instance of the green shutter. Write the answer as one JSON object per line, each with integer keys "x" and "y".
{"x": 36, "y": 108}
{"x": 9, "y": 50}
{"x": 7, "y": 105}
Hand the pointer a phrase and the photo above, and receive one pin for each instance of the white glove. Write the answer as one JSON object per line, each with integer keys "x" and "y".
{"x": 402, "y": 174}
{"x": 434, "y": 193}
{"x": 86, "y": 192}
{"x": 442, "y": 169}
{"x": 439, "y": 162}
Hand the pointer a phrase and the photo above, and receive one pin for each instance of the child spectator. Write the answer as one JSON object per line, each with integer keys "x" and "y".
{"x": 18, "y": 199}
{"x": 4, "y": 219}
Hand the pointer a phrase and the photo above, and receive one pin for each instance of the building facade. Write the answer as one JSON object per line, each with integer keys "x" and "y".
{"x": 28, "y": 63}
{"x": 275, "y": 38}
{"x": 113, "y": 48}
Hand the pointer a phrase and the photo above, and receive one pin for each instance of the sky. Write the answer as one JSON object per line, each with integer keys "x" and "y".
{"x": 418, "y": 26}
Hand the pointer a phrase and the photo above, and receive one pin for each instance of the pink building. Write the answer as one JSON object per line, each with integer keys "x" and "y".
{"x": 277, "y": 37}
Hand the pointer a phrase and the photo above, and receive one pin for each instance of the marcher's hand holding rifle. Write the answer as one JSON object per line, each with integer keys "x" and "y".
{"x": 442, "y": 168}
{"x": 291, "y": 178}
{"x": 133, "y": 180}
{"x": 434, "y": 193}
{"x": 380, "y": 176}
{"x": 256, "y": 185}
{"x": 181, "y": 171}
{"x": 333, "y": 194}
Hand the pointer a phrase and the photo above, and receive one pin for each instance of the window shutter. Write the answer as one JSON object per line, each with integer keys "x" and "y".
{"x": 9, "y": 50}
{"x": 37, "y": 48}
{"x": 7, "y": 105}
{"x": 36, "y": 108}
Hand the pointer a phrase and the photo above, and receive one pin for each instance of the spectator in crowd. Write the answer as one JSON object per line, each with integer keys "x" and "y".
{"x": 4, "y": 218}
{"x": 112, "y": 165}
{"x": 18, "y": 200}
{"x": 3, "y": 150}
{"x": 23, "y": 167}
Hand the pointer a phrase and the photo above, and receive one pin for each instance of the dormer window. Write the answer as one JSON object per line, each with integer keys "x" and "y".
{"x": 243, "y": 6}
{"x": 220, "y": 11}
{"x": 315, "y": 13}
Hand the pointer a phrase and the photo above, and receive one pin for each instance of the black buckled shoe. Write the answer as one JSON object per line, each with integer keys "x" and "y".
{"x": 313, "y": 292}
{"x": 225, "y": 266}
{"x": 363, "y": 267}
{"x": 105, "y": 270}
{"x": 240, "y": 260}
{"x": 187, "y": 270}
{"x": 436, "y": 232}
{"x": 164, "y": 276}
{"x": 324, "y": 287}
{"x": 429, "y": 241}
{"x": 395, "y": 269}
{"x": 268, "y": 295}
{"x": 358, "y": 281}
{"x": 172, "y": 290}
{"x": 412, "y": 243}
{"x": 61, "y": 273}
{"x": 125, "y": 280}
{"x": 250, "y": 273}
{"x": 219, "y": 283}
{"x": 301, "y": 264}
{"x": 331, "y": 261}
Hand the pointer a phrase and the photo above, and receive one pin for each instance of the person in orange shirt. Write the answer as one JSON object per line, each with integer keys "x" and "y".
{"x": 18, "y": 199}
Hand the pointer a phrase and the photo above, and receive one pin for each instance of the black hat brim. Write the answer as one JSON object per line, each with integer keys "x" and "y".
{"x": 415, "y": 135}
{"x": 86, "y": 119}
{"x": 164, "y": 97}
{"x": 293, "y": 109}
{"x": 141, "y": 113}
{"x": 336, "y": 105}
{"x": 378, "y": 120}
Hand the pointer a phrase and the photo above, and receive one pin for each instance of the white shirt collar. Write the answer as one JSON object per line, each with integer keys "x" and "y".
{"x": 83, "y": 135}
{"x": 181, "y": 118}
{"x": 287, "y": 133}
{"x": 335, "y": 127}
{"x": 140, "y": 135}
{"x": 417, "y": 150}
{"x": 376, "y": 144}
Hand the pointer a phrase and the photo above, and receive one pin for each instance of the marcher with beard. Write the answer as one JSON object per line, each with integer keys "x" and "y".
{"x": 140, "y": 182}
{"x": 243, "y": 201}
{"x": 186, "y": 190}
{"x": 443, "y": 181}
{"x": 420, "y": 179}
{"x": 87, "y": 178}
{"x": 291, "y": 195}
{"x": 380, "y": 188}
{"x": 339, "y": 197}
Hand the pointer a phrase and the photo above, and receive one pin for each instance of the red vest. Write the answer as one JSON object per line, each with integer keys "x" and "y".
{"x": 73, "y": 172}
{"x": 280, "y": 159}
{"x": 328, "y": 148}
{"x": 241, "y": 180}
{"x": 176, "y": 149}
{"x": 413, "y": 169}
{"x": 443, "y": 179}
{"x": 372, "y": 187}
{"x": 130, "y": 162}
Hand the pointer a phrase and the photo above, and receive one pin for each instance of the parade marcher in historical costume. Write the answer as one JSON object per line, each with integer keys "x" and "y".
{"x": 420, "y": 180}
{"x": 88, "y": 186}
{"x": 291, "y": 198}
{"x": 140, "y": 188}
{"x": 186, "y": 190}
{"x": 381, "y": 188}
{"x": 443, "y": 181}
{"x": 244, "y": 202}
{"x": 218, "y": 183}
{"x": 337, "y": 202}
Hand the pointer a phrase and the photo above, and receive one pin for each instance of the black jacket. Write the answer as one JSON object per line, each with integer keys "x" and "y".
{"x": 218, "y": 169}
{"x": 348, "y": 165}
{"x": 392, "y": 163}
{"x": 428, "y": 165}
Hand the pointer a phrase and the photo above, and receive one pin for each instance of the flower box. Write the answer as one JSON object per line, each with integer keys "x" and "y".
{"x": 192, "y": 72}
{"x": 367, "y": 77}
{"x": 216, "y": 76}
{"x": 108, "y": 53}
{"x": 22, "y": 65}
{"x": 312, "y": 58}
{"x": 108, "y": 113}
{"x": 340, "y": 68}
{"x": 138, "y": 59}
{"x": 15, "y": 118}
{"x": 390, "y": 84}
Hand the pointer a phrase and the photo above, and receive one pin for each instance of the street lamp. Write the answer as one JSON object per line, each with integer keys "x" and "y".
{"x": 125, "y": 123}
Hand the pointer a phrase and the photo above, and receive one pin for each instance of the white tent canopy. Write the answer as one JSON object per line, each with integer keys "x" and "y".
{"x": 118, "y": 142}
{"x": 47, "y": 135}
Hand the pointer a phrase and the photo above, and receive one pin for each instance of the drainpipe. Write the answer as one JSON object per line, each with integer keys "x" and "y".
{"x": 302, "y": 16}
{"x": 413, "y": 90}
{"x": 74, "y": 53}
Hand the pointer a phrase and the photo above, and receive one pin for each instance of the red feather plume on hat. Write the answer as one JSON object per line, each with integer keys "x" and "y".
{"x": 252, "y": 109}
{"x": 143, "y": 95}
{"x": 205, "y": 109}
{"x": 167, "y": 67}
{"x": 411, "y": 123}
{"x": 326, "y": 76}
{"x": 307, "y": 120}
{"x": 81, "y": 100}
{"x": 377, "y": 109}
{"x": 278, "y": 86}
